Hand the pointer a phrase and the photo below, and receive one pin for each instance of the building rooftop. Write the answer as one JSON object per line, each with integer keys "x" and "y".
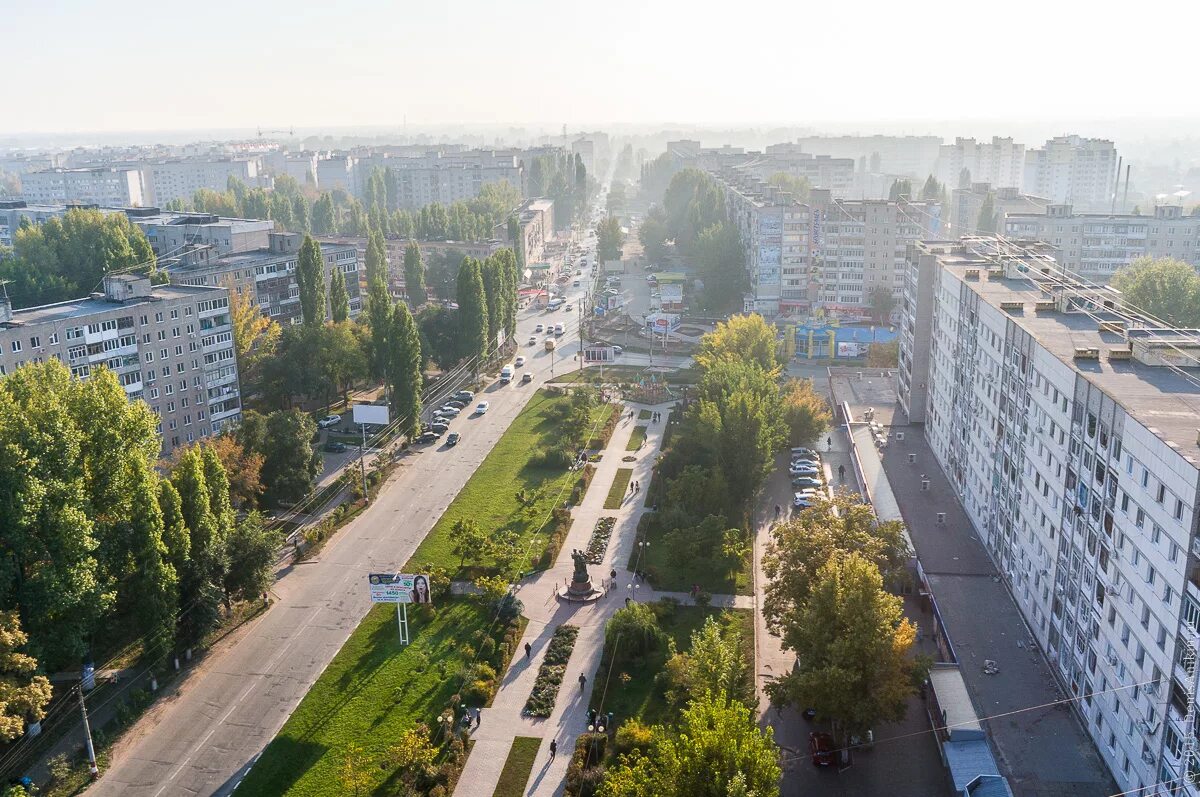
{"x": 1166, "y": 400}
{"x": 98, "y": 303}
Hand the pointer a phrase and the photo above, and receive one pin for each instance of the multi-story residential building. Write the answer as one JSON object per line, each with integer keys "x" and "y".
{"x": 300, "y": 166}
{"x": 1000, "y": 162}
{"x": 446, "y": 177}
{"x": 1073, "y": 170}
{"x": 966, "y": 203}
{"x": 169, "y": 345}
{"x": 181, "y": 178}
{"x": 535, "y": 222}
{"x": 776, "y": 233}
{"x": 269, "y": 275}
{"x": 1067, "y": 425}
{"x": 14, "y": 211}
{"x": 1095, "y": 245}
{"x": 120, "y": 187}
{"x": 170, "y": 233}
{"x": 910, "y": 156}
{"x": 585, "y": 148}
{"x": 337, "y": 171}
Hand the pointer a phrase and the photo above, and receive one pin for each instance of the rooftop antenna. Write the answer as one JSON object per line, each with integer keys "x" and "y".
{"x": 1116, "y": 187}
{"x": 1125, "y": 199}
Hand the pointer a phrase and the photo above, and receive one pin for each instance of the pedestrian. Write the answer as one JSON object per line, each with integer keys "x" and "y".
{"x": 582, "y": 682}
{"x": 528, "y": 649}
{"x": 553, "y": 749}
{"x": 478, "y": 717}
{"x": 613, "y": 574}
{"x": 842, "y": 472}
{"x": 829, "y": 443}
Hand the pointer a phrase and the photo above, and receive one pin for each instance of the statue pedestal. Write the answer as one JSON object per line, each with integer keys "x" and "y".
{"x": 580, "y": 589}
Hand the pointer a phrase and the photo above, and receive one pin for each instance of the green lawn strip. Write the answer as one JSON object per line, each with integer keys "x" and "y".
{"x": 550, "y": 673}
{"x": 640, "y": 694}
{"x": 669, "y": 572}
{"x": 489, "y": 496}
{"x": 620, "y": 486}
{"x": 644, "y": 415}
{"x": 517, "y": 767}
{"x": 636, "y": 439}
{"x": 372, "y": 690}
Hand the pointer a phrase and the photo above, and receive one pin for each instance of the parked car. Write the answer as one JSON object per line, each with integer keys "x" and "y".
{"x": 335, "y": 446}
{"x": 526, "y": 378}
{"x": 329, "y": 420}
{"x": 567, "y": 308}
{"x": 457, "y": 402}
{"x": 463, "y": 395}
{"x": 806, "y": 481}
{"x": 449, "y": 410}
{"x": 820, "y": 747}
{"x": 481, "y": 408}
{"x": 428, "y": 437}
{"x": 801, "y": 501}
{"x": 437, "y": 426}
{"x": 617, "y": 350}
{"x": 804, "y": 470}
{"x": 453, "y": 439}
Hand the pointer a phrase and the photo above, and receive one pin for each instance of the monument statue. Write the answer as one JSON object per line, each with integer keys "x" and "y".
{"x": 581, "y": 582}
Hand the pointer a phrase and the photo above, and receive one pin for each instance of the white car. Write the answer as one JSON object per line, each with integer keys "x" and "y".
{"x": 521, "y": 360}
{"x": 532, "y": 340}
{"x": 329, "y": 420}
{"x": 481, "y": 408}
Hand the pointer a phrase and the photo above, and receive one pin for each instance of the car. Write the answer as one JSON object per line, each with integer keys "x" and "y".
{"x": 428, "y": 437}
{"x": 617, "y": 350}
{"x": 806, "y": 481}
{"x": 559, "y": 329}
{"x": 532, "y": 340}
{"x": 821, "y": 749}
{"x": 335, "y": 446}
{"x": 329, "y": 420}
{"x": 804, "y": 452}
{"x": 804, "y": 469}
{"x": 567, "y": 308}
{"x": 463, "y": 395}
{"x": 457, "y": 402}
{"x": 506, "y": 374}
{"x": 805, "y": 461}
{"x": 437, "y": 426}
{"x": 519, "y": 362}
{"x": 801, "y": 502}
{"x": 574, "y": 284}
{"x": 481, "y": 408}
{"x": 449, "y": 410}
{"x": 453, "y": 439}
{"x": 540, "y": 328}
{"x": 526, "y": 378}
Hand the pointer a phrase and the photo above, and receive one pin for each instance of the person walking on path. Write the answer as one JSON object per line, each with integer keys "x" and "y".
{"x": 528, "y": 649}
{"x": 553, "y": 748}
{"x": 478, "y": 717}
{"x": 842, "y": 472}
{"x": 828, "y": 443}
{"x": 582, "y": 681}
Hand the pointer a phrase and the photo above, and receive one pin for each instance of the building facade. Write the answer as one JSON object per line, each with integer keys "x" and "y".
{"x": 999, "y": 162}
{"x": 1096, "y": 245}
{"x": 181, "y": 178}
{"x": 170, "y": 346}
{"x": 170, "y": 233}
{"x": 120, "y": 187}
{"x": 1067, "y": 425}
{"x": 966, "y": 203}
{"x": 776, "y": 233}
{"x": 909, "y": 156}
{"x": 1073, "y": 170}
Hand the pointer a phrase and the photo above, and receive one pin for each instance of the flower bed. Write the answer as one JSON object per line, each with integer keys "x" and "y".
{"x": 598, "y": 544}
{"x": 550, "y": 674}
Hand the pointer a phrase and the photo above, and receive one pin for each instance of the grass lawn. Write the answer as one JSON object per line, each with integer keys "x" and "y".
{"x": 626, "y": 373}
{"x": 517, "y": 767}
{"x": 636, "y": 439}
{"x": 640, "y": 695}
{"x": 644, "y": 415}
{"x": 371, "y": 691}
{"x": 489, "y": 496}
{"x": 666, "y": 570}
{"x": 620, "y": 486}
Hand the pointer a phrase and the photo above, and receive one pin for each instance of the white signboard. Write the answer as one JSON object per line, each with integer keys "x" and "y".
{"x": 376, "y": 414}
{"x": 399, "y": 588}
{"x": 598, "y": 354}
{"x": 671, "y": 294}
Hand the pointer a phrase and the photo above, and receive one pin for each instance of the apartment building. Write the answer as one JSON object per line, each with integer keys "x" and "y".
{"x": 585, "y": 148}
{"x": 1067, "y": 424}
{"x": 1095, "y": 245}
{"x": 269, "y": 274}
{"x": 14, "y": 211}
{"x": 170, "y": 233}
{"x": 1000, "y": 162}
{"x": 447, "y": 177}
{"x": 910, "y": 156}
{"x": 1073, "y": 170}
{"x": 120, "y": 187}
{"x": 337, "y": 172}
{"x": 180, "y": 178}
{"x": 535, "y": 223}
{"x": 169, "y": 345}
{"x": 965, "y": 204}
{"x": 776, "y": 232}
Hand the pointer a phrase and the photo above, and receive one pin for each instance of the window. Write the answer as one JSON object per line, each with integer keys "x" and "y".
{"x": 16, "y": 346}
{"x": 34, "y": 342}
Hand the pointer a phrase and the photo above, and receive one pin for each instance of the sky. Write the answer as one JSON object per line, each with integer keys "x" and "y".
{"x": 78, "y": 66}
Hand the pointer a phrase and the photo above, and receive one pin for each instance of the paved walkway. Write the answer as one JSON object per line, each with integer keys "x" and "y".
{"x": 503, "y": 721}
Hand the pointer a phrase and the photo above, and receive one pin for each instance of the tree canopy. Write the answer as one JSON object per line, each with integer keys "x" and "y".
{"x": 1164, "y": 287}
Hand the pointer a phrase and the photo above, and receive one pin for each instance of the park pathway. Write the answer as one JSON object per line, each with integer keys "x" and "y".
{"x": 503, "y": 720}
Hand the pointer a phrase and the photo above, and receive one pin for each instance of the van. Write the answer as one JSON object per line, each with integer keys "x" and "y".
{"x": 506, "y": 374}
{"x": 559, "y": 329}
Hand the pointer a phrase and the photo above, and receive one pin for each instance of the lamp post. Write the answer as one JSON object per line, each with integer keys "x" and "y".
{"x": 643, "y": 546}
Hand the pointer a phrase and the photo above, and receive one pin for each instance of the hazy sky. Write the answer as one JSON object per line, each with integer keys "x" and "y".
{"x": 89, "y": 66}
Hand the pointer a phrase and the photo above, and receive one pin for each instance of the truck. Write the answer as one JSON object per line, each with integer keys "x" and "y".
{"x": 555, "y": 303}
{"x": 550, "y": 344}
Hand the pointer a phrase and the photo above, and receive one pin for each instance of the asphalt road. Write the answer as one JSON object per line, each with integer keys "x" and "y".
{"x": 202, "y": 741}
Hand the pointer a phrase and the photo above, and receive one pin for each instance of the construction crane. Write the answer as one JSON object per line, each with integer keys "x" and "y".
{"x": 290, "y": 131}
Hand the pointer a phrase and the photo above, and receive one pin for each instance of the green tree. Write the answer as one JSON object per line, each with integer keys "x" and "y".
{"x": 799, "y": 187}
{"x": 252, "y": 548}
{"x": 404, "y": 374}
{"x": 493, "y": 287}
{"x": 746, "y": 338}
{"x": 414, "y": 274}
{"x": 200, "y": 581}
{"x": 255, "y": 338}
{"x": 339, "y": 297}
{"x": 805, "y": 412}
{"x": 609, "y": 239}
{"x": 376, "y": 260}
{"x": 1164, "y": 287}
{"x": 853, "y": 642}
{"x": 23, "y": 693}
{"x": 986, "y": 221}
{"x": 439, "y": 334}
{"x": 712, "y": 668}
{"x": 901, "y": 189}
{"x": 310, "y": 277}
{"x": 153, "y": 588}
{"x": 342, "y": 359}
{"x": 722, "y": 266}
{"x": 379, "y": 320}
{"x": 882, "y": 303}
{"x": 290, "y": 465}
{"x": 472, "y": 311}
{"x": 633, "y": 632}
{"x": 324, "y": 216}
{"x": 469, "y": 540}
{"x": 652, "y": 233}
{"x": 932, "y": 190}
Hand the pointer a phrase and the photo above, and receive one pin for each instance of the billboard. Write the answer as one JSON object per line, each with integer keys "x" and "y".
{"x": 598, "y": 354}
{"x": 371, "y": 413}
{"x": 671, "y": 294}
{"x": 399, "y": 588}
{"x": 851, "y": 349}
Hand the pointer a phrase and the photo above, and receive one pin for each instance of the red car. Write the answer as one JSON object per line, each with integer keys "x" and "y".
{"x": 820, "y": 747}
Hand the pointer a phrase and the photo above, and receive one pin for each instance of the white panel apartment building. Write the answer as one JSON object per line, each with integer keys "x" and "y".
{"x": 1000, "y": 162}
{"x": 120, "y": 187}
{"x": 1073, "y": 446}
{"x": 776, "y": 233}
{"x": 169, "y": 345}
{"x": 1095, "y": 245}
{"x": 1072, "y": 170}
{"x": 182, "y": 178}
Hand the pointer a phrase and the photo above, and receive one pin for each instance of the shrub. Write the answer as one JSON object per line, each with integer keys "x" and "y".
{"x": 487, "y": 648}
{"x": 478, "y": 692}
{"x": 637, "y": 628}
{"x": 558, "y": 458}
{"x": 550, "y": 674}
{"x": 633, "y": 735}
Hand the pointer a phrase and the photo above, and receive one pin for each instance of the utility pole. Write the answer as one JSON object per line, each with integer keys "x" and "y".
{"x": 93, "y": 770}
{"x": 362, "y": 461}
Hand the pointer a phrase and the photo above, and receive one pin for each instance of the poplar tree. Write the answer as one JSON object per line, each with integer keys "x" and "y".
{"x": 311, "y": 280}
{"x": 404, "y": 370}
{"x": 339, "y": 297}
{"x": 472, "y": 310}
{"x": 414, "y": 275}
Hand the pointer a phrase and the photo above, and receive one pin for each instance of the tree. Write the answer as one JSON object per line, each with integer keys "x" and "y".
{"x": 964, "y": 178}
{"x": 884, "y": 355}
{"x": 722, "y": 266}
{"x": 376, "y": 260}
{"x": 242, "y": 466}
{"x": 805, "y": 412}
{"x": 289, "y": 462}
{"x": 204, "y": 570}
{"x": 23, "y": 693}
{"x": 633, "y": 632}
{"x": 469, "y": 540}
{"x": 356, "y": 774}
{"x": 342, "y": 359}
{"x": 986, "y": 222}
{"x": 1163, "y": 287}
{"x": 745, "y": 338}
{"x": 324, "y": 216}
{"x": 153, "y": 588}
{"x": 799, "y": 187}
{"x": 255, "y": 337}
{"x": 404, "y": 376}
{"x": 901, "y": 189}
{"x": 882, "y": 303}
{"x": 853, "y": 642}
{"x": 652, "y": 233}
{"x": 472, "y": 311}
{"x": 439, "y": 334}
{"x": 310, "y": 277}
{"x": 932, "y": 189}
{"x": 339, "y": 298}
{"x": 252, "y": 548}
{"x": 490, "y": 271}
{"x": 609, "y": 239}
{"x": 718, "y": 749}
{"x": 414, "y": 274}
{"x": 712, "y": 668}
